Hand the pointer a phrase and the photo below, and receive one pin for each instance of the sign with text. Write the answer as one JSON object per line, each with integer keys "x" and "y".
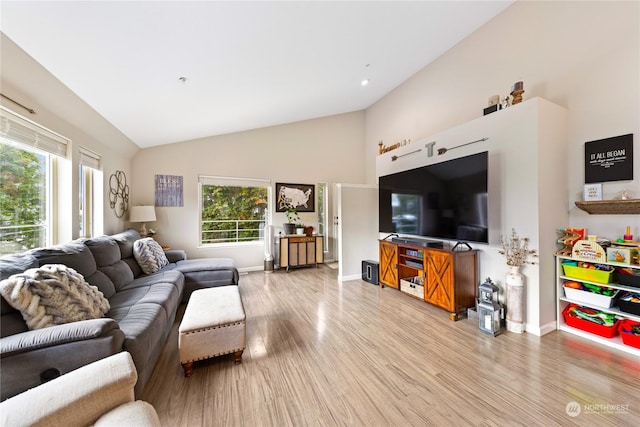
{"x": 609, "y": 159}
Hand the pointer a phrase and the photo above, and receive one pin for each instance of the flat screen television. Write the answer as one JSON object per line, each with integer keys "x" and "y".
{"x": 446, "y": 200}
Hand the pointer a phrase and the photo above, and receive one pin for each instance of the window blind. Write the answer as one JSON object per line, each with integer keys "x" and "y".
{"x": 233, "y": 182}
{"x": 14, "y": 127}
{"x": 89, "y": 159}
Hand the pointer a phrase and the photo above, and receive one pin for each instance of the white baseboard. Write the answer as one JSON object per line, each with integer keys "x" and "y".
{"x": 348, "y": 278}
{"x": 540, "y": 331}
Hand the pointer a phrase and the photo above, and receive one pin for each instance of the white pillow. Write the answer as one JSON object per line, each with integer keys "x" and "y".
{"x": 53, "y": 294}
{"x": 149, "y": 255}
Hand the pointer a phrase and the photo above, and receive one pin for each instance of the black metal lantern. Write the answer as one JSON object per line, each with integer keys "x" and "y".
{"x": 489, "y": 309}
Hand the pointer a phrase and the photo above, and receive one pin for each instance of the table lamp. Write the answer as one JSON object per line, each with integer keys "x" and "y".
{"x": 142, "y": 214}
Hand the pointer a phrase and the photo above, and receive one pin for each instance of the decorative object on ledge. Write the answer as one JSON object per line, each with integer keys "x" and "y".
{"x": 394, "y": 158}
{"x": 494, "y": 105}
{"x": 383, "y": 149}
{"x": 611, "y": 207}
{"x": 592, "y": 192}
{"x": 429, "y": 146}
{"x": 444, "y": 150}
{"x": 516, "y": 91}
{"x": 119, "y": 193}
{"x": 143, "y": 214}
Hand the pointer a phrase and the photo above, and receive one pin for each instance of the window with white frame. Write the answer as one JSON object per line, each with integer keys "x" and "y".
{"x": 89, "y": 192}
{"x": 28, "y": 155}
{"x": 233, "y": 210}
{"x": 323, "y": 225}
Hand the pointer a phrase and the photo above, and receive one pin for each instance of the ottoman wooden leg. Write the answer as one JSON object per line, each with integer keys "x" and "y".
{"x": 237, "y": 357}
{"x": 188, "y": 369}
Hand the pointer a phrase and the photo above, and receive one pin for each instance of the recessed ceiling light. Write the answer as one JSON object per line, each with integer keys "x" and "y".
{"x": 364, "y": 82}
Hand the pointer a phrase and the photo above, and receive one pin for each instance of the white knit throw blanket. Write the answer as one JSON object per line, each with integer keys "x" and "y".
{"x": 53, "y": 294}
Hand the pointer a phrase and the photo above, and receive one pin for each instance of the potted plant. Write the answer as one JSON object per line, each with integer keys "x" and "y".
{"x": 300, "y": 229}
{"x": 292, "y": 219}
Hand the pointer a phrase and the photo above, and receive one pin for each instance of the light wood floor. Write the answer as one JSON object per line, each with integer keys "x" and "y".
{"x": 324, "y": 353}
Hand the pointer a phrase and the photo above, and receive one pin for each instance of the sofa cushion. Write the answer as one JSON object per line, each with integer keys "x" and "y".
{"x": 102, "y": 282}
{"x": 162, "y": 294}
{"x": 73, "y": 254}
{"x": 125, "y": 241}
{"x": 146, "y": 328}
{"x": 16, "y": 263}
{"x": 149, "y": 255}
{"x": 108, "y": 260}
{"x": 53, "y": 295}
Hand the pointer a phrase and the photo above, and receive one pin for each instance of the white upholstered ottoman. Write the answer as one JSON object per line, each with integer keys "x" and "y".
{"x": 213, "y": 324}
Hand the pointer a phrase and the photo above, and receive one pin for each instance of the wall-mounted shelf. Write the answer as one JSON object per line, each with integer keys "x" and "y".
{"x": 619, "y": 207}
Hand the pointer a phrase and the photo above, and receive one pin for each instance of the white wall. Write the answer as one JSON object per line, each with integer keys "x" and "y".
{"x": 583, "y": 56}
{"x": 327, "y": 150}
{"x": 60, "y": 110}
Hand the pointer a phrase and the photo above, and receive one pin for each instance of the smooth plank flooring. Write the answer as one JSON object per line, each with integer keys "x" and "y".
{"x": 324, "y": 353}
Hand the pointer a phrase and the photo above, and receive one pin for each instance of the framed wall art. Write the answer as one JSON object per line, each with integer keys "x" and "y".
{"x": 609, "y": 159}
{"x": 169, "y": 190}
{"x": 299, "y": 196}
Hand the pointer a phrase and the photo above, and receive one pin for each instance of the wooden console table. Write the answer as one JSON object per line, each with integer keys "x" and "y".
{"x": 450, "y": 277}
{"x": 300, "y": 251}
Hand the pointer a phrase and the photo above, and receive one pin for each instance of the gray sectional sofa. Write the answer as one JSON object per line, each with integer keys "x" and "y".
{"x": 142, "y": 309}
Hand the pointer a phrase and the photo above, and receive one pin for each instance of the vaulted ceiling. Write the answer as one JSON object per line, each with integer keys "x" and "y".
{"x": 168, "y": 71}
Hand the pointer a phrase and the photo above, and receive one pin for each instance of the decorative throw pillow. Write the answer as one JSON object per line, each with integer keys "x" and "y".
{"x": 149, "y": 255}
{"x": 53, "y": 294}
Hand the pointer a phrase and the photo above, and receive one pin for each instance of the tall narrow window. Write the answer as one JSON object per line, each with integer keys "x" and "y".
{"x": 27, "y": 163}
{"x": 28, "y": 155}
{"x": 323, "y": 216}
{"x": 233, "y": 210}
{"x": 24, "y": 198}
{"x": 89, "y": 167}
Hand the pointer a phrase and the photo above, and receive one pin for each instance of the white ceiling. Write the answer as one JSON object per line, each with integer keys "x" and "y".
{"x": 247, "y": 64}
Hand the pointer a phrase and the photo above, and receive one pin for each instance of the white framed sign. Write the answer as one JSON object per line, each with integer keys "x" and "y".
{"x": 592, "y": 192}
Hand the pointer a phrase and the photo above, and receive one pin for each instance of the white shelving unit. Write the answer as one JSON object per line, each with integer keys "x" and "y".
{"x": 563, "y": 301}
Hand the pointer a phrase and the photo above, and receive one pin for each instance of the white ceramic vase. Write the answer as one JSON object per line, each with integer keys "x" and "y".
{"x": 515, "y": 300}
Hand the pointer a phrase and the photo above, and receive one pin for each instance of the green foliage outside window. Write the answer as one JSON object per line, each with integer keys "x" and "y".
{"x": 22, "y": 199}
{"x": 233, "y": 214}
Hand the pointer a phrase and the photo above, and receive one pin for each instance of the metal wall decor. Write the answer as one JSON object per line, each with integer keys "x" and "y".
{"x": 118, "y": 193}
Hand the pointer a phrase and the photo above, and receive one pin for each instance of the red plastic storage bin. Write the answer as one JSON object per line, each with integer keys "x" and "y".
{"x": 625, "y": 332}
{"x": 586, "y": 325}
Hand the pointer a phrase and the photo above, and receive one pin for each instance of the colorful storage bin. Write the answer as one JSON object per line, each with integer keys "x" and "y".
{"x": 573, "y": 320}
{"x": 590, "y": 275}
{"x": 629, "y": 302}
{"x": 590, "y": 298}
{"x": 628, "y": 337}
{"x": 628, "y": 276}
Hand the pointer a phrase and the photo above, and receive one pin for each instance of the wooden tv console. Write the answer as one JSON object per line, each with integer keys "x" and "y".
{"x": 450, "y": 278}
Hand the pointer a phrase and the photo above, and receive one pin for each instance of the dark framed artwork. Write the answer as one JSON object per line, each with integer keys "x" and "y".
{"x": 169, "y": 190}
{"x": 609, "y": 159}
{"x": 299, "y": 196}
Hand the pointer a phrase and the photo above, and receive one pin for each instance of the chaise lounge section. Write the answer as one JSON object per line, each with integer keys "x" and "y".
{"x": 142, "y": 309}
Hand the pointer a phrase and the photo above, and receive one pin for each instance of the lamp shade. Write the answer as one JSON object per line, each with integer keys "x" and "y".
{"x": 142, "y": 214}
